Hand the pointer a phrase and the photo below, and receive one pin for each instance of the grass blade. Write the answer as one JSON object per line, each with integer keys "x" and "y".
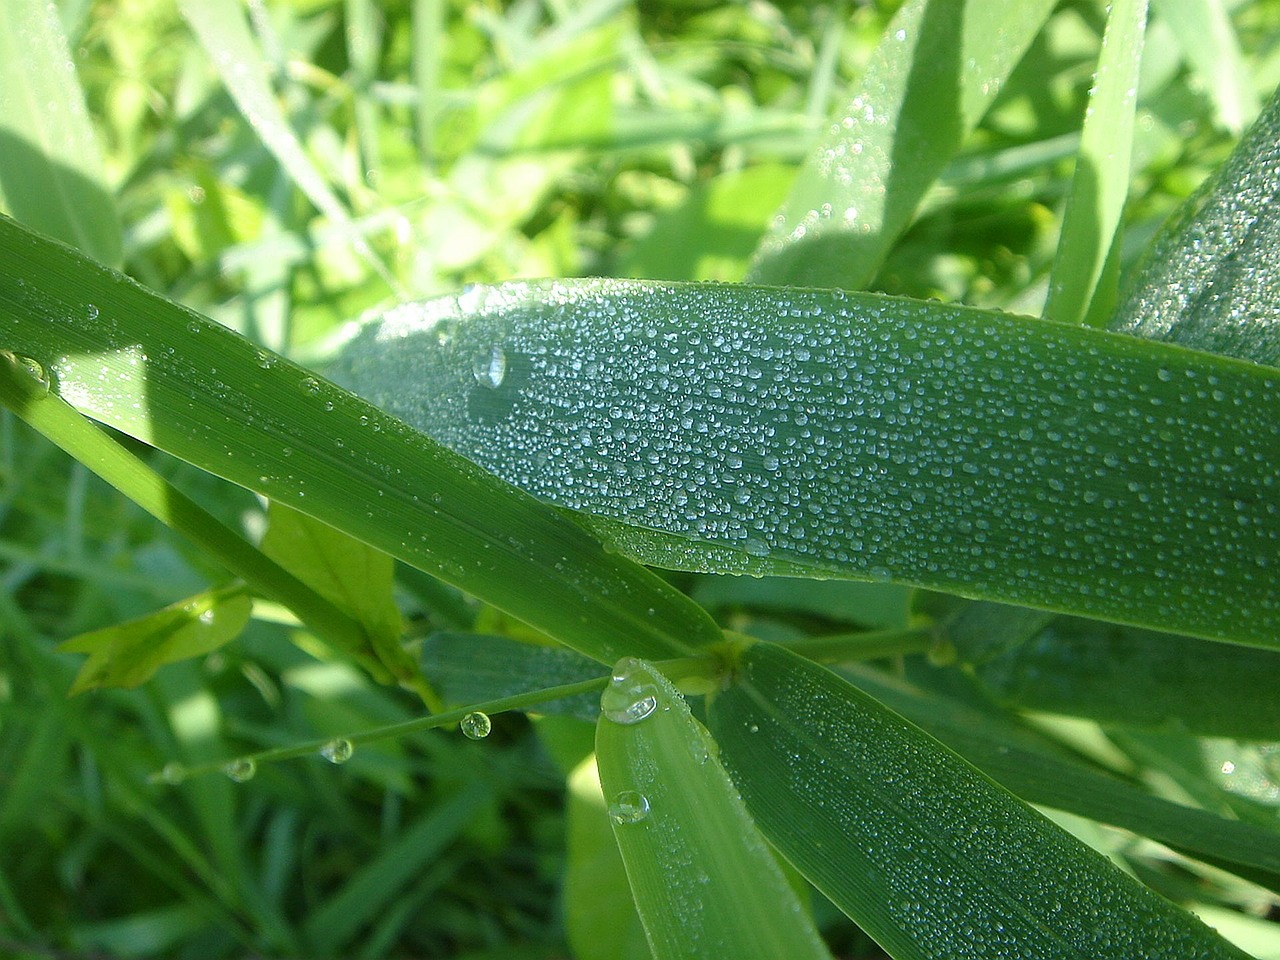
{"x": 1203, "y": 29}
{"x": 1212, "y": 278}
{"x": 729, "y": 427}
{"x": 51, "y": 173}
{"x": 189, "y": 386}
{"x": 923, "y": 852}
{"x": 1101, "y": 181}
{"x": 922, "y": 93}
{"x": 704, "y": 882}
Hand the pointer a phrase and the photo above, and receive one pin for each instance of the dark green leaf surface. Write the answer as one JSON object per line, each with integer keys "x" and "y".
{"x": 751, "y": 428}
{"x": 920, "y": 849}
{"x": 930, "y": 80}
{"x": 169, "y": 377}
{"x": 704, "y": 881}
{"x": 1119, "y": 675}
{"x": 127, "y": 654}
{"x": 1212, "y": 278}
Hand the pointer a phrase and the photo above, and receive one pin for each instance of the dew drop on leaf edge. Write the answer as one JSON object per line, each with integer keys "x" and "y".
{"x": 476, "y": 725}
{"x": 338, "y": 751}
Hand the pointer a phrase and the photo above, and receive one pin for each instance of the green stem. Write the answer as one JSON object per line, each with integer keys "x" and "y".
{"x": 173, "y": 773}
{"x": 25, "y": 391}
{"x": 867, "y": 645}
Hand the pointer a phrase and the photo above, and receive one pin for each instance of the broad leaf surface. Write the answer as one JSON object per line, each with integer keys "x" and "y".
{"x": 169, "y": 377}
{"x": 919, "y": 848}
{"x": 723, "y": 427}
{"x": 704, "y": 881}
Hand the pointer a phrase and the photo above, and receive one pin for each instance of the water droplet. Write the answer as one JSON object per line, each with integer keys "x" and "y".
{"x": 241, "y": 769}
{"x": 476, "y": 725}
{"x": 171, "y": 774}
{"x": 490, "y": 369}
{"x": 630, "y": 696}
{"x": 310, "y": 385}
{"x": 91, "y": 311}
{"x": 35, "y": 380}
{"x": 629, "y": 807}
{"x": 338, "y": 751}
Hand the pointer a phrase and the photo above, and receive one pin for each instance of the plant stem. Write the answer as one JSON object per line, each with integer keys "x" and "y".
{"x": 867, "y": 645}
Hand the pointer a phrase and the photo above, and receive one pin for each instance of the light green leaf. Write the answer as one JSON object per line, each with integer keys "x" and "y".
{"x": 740, "y": 428}
{"x": 933, "y": 76}
{"x": 1101, "y": 181}
{"x": 1204, "y": 31}
{"x": 357, "y": 578}
{"x": 921, "y": 850}
{"x": 169, "y": 377}
{"x": 51, "y": 173}
{"x": 127, "y": 654}
{"x": 1212, "y": 278}
{"x": 1118, "y": 675}
{"x": 704, "y": 881}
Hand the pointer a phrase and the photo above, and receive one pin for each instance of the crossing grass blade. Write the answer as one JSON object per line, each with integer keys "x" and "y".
{"x": 51, "y": 173}
{"x": 732, "y": 427}
{"x": 930, "y": 80}
{"x": 705, "y": 883}
{"x": 921, "y": 850}
{"x": 1205, "y": 33}
{"x": 169, "y": 377}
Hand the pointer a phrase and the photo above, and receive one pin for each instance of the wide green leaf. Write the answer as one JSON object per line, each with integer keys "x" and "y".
{"x": 919, "y": 848}
{"x": 704, "y": 881}
{"x": 731, "y": 427}
{"x": 1211, "y": 280}
{"x": 164, "y": 374}
{"x": 930, "y": 80}
{"x": 51, "y": 172}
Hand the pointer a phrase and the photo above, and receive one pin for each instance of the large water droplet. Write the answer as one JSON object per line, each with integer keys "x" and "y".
{"x": 338, "y": 751}
{"x": 490, "y": 369}
{"x": 476, "y": 725}
{"x": 34, "y": 379}
{"x": 630, "y": 696}
{"x": 629, "y": 807}
{"x": 310, "y": 386}
{"x": 241, "y": 769}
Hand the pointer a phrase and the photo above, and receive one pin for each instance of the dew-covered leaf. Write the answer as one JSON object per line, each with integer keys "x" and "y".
{"x": 127, "y": 654}
{"x": 704, "y": 881}
{"x": 1136, "y": 678}
{"x": 1211, "y": 280}
{"x": 920, "y": 849}
{"x": 162, "y": 373}
{"x": 929, "y": 82}
{"x": 51, "y": 172}
{"x": 731, "y": 427}
{"x": 474, "y": 668}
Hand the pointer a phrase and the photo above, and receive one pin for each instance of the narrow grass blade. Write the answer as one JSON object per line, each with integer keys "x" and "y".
{"x": 730, "y": 427}
{"x": 1133, "y": 678}
{"x": 223, "y": 33}
{"x": 1101, "y": 181}
{"x": 921, "y": 850}
{"x": 704, "y": 881}
{"x": 51, "y": 173}
{"x": 191, "y": 387}
{"x": 933, "y": 76}
{"x": 1212, "y": 278}
{"x": 1204, "y": 31}
{"x": 1040, "y": 771}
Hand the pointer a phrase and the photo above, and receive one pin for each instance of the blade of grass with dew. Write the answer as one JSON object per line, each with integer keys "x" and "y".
{"x": 1204, "y": 31}
{"x": 705, "y": 883}
{"x": 1101, "y": 181}
{"x": 1212, "y": 278}
{"x": 735, "y": 428}
{"x": 931, "y": 79}
{"x": 921, "y": 850}
{"x": 225, "y": 37}
{"x": 171, "y": 378}
{"x": 51, "y": 172}
{"x": 1134, "y": 678}
{"x": 1041, "y": 771}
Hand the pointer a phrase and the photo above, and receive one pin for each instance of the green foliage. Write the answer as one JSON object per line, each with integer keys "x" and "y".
{"x": 473, "y": 540}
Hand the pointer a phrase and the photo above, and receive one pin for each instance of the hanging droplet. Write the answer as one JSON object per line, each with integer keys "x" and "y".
{"x": 629, "y": 807}
{"x": 35, "y": 380}
{"x": 338, "y": 751}
{"x": 241, "y": 769}
{"x": 490, "y": 369}
{"x": 476, "y": 725}
{"x": 171, "y": 774}
{"x": 630, "y": 696}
